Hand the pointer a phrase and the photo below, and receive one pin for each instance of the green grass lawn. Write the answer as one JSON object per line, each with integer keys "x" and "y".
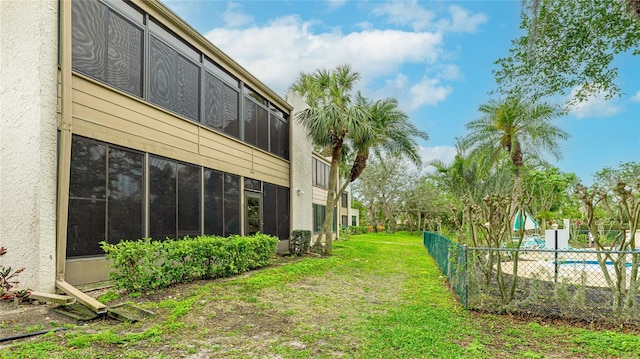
{"x": 378, "y": 296}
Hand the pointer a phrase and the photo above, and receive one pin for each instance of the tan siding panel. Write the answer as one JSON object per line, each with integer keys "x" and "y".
{"x": 113, "y": 117}
{"x": 319, "y": 196}
{"x": 122, "y": 106}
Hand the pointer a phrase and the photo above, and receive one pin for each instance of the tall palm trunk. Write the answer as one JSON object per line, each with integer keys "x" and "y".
{"x": 326, "y": 234}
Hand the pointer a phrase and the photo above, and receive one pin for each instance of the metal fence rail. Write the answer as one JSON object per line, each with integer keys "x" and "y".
{"x": 583, "y": 284}
{"x": 452, "y": 260}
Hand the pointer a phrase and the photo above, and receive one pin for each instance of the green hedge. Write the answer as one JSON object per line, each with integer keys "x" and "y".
{"x": 146, "y": 264}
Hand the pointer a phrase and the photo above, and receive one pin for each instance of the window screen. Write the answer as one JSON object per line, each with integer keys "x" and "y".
{"x": 231, "y": 204}
{"x": 162, "y": 198}
{"x": 107, "y": 46}
{"x": 279, "y": 137}
{"x": 126, "y": 195}
{"x": 87, "y": 198}
{"x": 221, "y": 106}
{"x": 283, "y": 213}
{"x": 174, "y": 80}
{"x": 188, "y": 200}
{"x": 213, "y": 205}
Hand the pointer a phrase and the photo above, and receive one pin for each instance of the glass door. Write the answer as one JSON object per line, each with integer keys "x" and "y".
{"x": 253, "y": 218}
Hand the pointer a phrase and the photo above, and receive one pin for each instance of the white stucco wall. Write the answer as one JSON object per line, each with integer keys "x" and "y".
{"x": 28, "y": 95}
{"x": 301, "y": 184}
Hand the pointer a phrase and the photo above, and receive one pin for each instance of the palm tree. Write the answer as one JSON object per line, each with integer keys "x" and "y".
{"x": 392, "y": 133}
{"x": 517, "y": 127}
{"x": 331, "y": 116}
{"x": 345, "y": 123}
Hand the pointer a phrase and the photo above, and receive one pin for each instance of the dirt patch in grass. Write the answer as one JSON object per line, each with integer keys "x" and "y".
{"x": 226, "y": 319}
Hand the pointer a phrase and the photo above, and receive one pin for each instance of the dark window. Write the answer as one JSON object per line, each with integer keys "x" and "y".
{"x": 126, "y": 195}
{"x": 283, "y": 213}
{"x": 87, "y": 198}
{"x": 94, "y": 215}
{"x": 319, "y": 214}
{"x": 162, "y": 198}
{"x": 221, "y": 106}
{"x": 231, "y": 204}
{"x": 188, "y": 200}
{"x": 174, "y": 80}
{"x": 256, "y": 124}
{"x": 270, "y": 203}
{"x": 344, "y": 200}
{"x": 276, "y": 211}
{"x": 253, "y": 184}
{"x": 107, "y": 46}
{"x": 354, "y": 222}
{"x": 345, "y": 220}
{"x": 213, "y": 204}
{"x": 320, "y": 173}
{"x": 279, "y": 136}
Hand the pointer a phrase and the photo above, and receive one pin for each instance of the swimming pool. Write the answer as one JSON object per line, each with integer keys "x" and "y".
{"x": 588, "y": 263}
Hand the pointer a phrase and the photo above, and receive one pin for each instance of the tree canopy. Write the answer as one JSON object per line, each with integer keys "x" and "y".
{"x": 350, "y": 127}
{"x": 569, "y": 47}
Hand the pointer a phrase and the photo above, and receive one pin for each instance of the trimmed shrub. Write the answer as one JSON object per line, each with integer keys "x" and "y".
{"x": 145, "y": 264}
{"x": 300, "y": 242}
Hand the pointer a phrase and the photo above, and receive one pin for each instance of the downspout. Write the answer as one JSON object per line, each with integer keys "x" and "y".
{"x": 64, "y": 163}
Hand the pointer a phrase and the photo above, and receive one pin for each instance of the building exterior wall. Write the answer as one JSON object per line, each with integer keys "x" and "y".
{"x": 36, "y": 135}
{"x": 161, "y": 126}
{"x": 28, "y": 99}
{"x": 301, "y": 189}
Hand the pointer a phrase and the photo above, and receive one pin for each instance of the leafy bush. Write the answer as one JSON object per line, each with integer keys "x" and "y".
{"x": 300, "y": 242}
{"x": 8, "y": 281}
{"x": 144, "y": 265}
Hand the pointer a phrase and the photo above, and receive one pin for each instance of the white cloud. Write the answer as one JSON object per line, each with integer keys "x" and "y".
{"x": 461, "y": 20}
{"x": 444, "y": 154}
{"x": 406, "y": 13}
{"x": 410, "y": 13}
{"x": 594, "y": 106}
{"x": 428, "y": 92}
{"x": 234, "y": 17}
{"x": 636, "y": 97}
{"x": 278, "y": 52}
{"x": 336, "y": 4}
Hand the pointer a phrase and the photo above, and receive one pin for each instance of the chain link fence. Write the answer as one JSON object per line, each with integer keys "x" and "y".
{"x": 582, "y": 284}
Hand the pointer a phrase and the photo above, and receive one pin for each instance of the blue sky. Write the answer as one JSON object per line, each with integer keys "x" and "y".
{"x": 435, "y": 57}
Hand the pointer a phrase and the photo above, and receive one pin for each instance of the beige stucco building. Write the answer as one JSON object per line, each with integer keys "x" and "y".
{"x": 120, "y": 121}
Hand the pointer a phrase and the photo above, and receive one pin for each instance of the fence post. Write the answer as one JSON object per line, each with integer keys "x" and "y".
{"x": 465, "y": 300}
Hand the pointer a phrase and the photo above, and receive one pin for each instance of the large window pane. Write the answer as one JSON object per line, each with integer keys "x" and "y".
{"x": 279, "y": 137}
{"x": 221, "y": 106}
{"x": 283, "y": 213}
{"x": 270, "y": 213}
{"x": 162, "y": 198}
{"x": 213, "y": 204}
{"x": 126, "y": 195}
{"x": 256, "y": 124}
{"x": 319, "y": 214}
{"x": 125, "y": 55}
{"x": 106, "y": 46}
{"x": 87, "y": 198}
{"x": 231, "y": 204}
{"x": 250, "y": 122}
{"x": 262, "y": 131}
{"x": 174, "y": 80}
{"x": 188, "y": 200}
{"x": 88, "y": 38}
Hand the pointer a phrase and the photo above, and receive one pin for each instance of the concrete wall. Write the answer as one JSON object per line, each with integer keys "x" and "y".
{"x": 301, "y": 182}
{"x": 28, "y": 95}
